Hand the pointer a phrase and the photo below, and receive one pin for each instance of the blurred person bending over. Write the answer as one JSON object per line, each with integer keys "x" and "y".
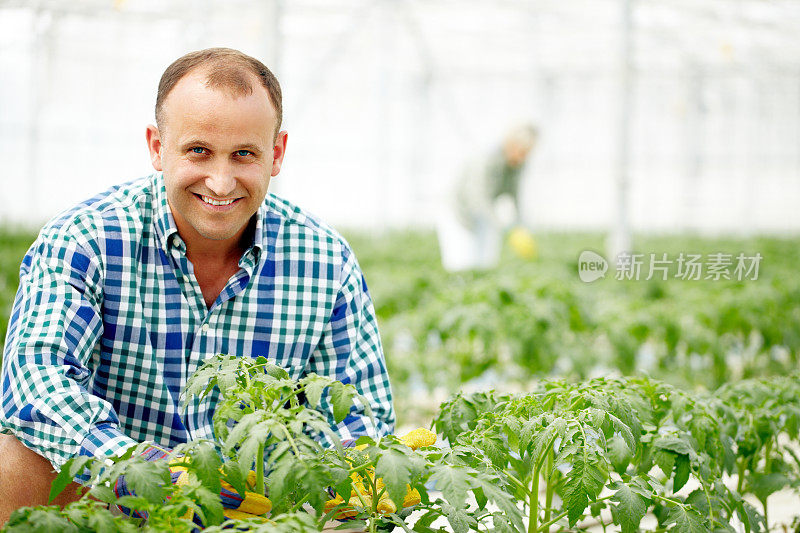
{"x": 485, "y": 203}
{"x": 123, "y": 296}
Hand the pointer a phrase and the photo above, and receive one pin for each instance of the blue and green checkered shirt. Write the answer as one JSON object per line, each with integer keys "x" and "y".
{"x": 109, "y": 322}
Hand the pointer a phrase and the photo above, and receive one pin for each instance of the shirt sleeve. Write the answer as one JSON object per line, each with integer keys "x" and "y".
{"x": 54, "y": 329}
{"x": 350, "y": 351}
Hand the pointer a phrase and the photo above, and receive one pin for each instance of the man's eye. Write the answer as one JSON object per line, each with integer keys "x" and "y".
{"x": 198, "y": 150}
{"x": 243, "y": 153}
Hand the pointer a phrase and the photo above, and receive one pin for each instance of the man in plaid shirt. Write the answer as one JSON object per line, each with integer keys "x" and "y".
{"x": 122, "y": 297}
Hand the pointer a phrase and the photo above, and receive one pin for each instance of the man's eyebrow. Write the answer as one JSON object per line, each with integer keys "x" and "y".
{"x": 245, "y": 146}
{"x": 194, "y": 142}
{"x": 249, "y": 146}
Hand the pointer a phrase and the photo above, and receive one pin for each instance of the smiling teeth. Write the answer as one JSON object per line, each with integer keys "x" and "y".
{"x": 211, "y": 201}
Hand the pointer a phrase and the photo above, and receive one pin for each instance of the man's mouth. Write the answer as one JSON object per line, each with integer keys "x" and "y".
{"x": 214, "y": 201}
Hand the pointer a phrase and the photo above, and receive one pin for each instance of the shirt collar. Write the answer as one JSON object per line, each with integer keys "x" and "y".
{"x": 168, "y": 230}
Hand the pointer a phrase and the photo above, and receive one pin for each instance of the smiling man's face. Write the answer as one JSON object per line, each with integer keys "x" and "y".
{"x": 218, "y": 152}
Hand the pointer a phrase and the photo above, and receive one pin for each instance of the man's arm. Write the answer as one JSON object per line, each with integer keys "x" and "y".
{"x": 25, "y": 479}
{"x": 350, "y": 351}
{"x": 55, "y": 326}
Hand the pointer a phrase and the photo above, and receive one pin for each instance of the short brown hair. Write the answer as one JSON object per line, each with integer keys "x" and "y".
{"x": 227, "y": 69}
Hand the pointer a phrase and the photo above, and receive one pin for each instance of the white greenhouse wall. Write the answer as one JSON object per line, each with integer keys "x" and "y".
{"x": 385, "y": 101}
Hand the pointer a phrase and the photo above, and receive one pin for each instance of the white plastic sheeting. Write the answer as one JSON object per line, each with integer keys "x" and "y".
{"x": 384, "y": 100}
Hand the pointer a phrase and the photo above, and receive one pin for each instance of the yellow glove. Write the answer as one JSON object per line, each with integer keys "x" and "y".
{"x": 234, "y": 506}
{"x": 362, "y": 483}
{"x": 521, "y": 242}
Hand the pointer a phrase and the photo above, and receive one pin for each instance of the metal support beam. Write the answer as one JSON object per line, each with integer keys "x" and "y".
{"x": 620, "y": 239}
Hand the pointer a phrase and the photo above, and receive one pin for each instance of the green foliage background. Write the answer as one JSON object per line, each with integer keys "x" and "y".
{"x": 528, "y": 319}
{"x": 13, "y": 245}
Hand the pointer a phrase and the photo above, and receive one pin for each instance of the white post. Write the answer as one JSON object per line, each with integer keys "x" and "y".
{"x": 620, "y": 237}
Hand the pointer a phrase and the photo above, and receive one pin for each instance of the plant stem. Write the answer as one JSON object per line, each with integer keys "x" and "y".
{"x": 292, "y": 443}
{"x": 549, "y": 523}
{"x": 375, "y": 498}
{"x": 260, "y": 468}
{"x": 359, "y": 468}
{"x": 664, "y": 499}
{"x": 741, "y": 470}
{"x": 768, "y": 456}
{"x": 533, "y": 517}
{"x": 519, "y": 484}
{"x": 550, "y": 488}
{"x": 708, "y": 501}
{"x": 299, "y": 504}
{"x": 767, "y": 469}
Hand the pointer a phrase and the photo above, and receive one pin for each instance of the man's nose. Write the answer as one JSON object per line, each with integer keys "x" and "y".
{"x": 221, "y": 181}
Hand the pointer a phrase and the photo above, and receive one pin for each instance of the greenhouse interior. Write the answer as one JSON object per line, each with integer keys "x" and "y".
{"x": 410, "y": 265}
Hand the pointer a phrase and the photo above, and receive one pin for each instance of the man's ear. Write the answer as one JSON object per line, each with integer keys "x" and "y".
{"x": 154, "y": 145}
{"x": 278, "y": 151}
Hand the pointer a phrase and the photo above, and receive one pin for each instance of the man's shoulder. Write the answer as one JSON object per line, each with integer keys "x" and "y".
{"x": 299, "y": 227}
{"x": 125, "y": 205}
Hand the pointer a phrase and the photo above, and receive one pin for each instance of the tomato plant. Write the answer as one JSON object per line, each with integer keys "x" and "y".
{"x": 626, "y": 444}
{"x": 268, "y": 422}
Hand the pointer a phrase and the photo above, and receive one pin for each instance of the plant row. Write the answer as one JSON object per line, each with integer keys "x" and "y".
{"x": 528, "y": 319}
{"x": 631, "y": 453}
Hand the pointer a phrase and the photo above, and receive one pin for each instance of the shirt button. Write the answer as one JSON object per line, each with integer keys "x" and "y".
{"x": 205, "y": 328}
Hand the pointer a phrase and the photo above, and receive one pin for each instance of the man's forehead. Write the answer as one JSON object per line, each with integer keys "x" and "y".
{"x": 201, "y": 111}
{"x": 195, "y": 85}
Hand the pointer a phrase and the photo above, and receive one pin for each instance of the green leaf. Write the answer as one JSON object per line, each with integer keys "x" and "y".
{"x": 133, "y": 502}
{"x": 147, "y": 479}
{"x": 502, "y": 499}
{"x": 686, "y": 520}
{"x": 512, "y": 429}
{"x": 276, "y": 372}
{"x": 101, "y": 521}
{"x": 68, "y": 472}
{"x": 210, "y": 503}
{"x": 232, "y": 474}
{"x": 459, "y": 518}
{"x": 241, "y": 430}
{"x": 502, "y": 524}
{"x": 673, "y": 444}
{"x": 665, "y": 461}
{"x": 394, "y": 467}
{"x": 682, "y": 470}
{"x": 495, "y": 450}
{"x": 575, "y": 500}
{"x": 762, "y": 485}
{"x": 750, "y": 517}
{"x": 584, "y": 481}
{"x": 342, "y": 400}
{"x": 48, "y": 521}
{"x": 103, "y": 493}
{"x": 596, "y": 508}
{"x": 315, "y": 385}
{"x": 279, "y": 477}
{"x": 248, "y": 451}
{"x": 205, "y": 462}
{"x": 453, "y": 482}
{"x": 631, "y": 508}
{"x": 623, "y": 430}
{"x": 619, "y": 453}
